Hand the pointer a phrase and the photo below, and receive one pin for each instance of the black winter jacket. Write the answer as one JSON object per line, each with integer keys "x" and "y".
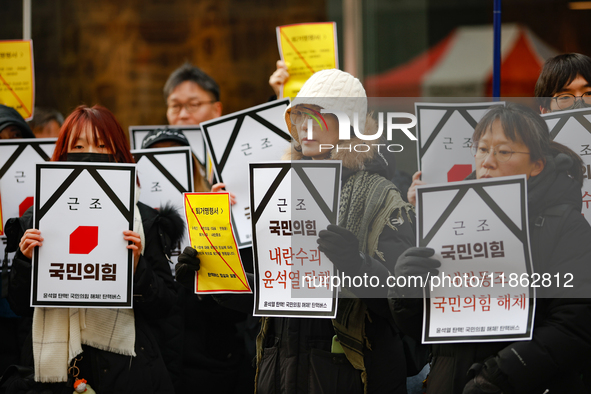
{"x": 559, "y": 351}
{"x": 154, "y": 297}
{"x": 297, "y": 355}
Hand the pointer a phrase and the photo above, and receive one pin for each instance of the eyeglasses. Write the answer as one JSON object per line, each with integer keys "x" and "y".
{"x": 501, "y": 152}
{"x": 297, "y": 117}
{"x": 191, "y": 107}
{"x": 567, "y": 100}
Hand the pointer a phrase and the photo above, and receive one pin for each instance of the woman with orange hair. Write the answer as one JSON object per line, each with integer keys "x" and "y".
{"x": 116, "y": 351}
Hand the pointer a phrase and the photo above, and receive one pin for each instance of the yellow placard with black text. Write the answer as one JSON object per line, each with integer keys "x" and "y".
{"x": 17, "y": 83}
{"x": 306, "y": 48}
{"x": 210, "y": 233}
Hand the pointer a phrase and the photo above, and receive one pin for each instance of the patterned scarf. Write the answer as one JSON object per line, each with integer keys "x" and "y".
{"x": 58, "y": 333}
{"x": 368, "y": 201}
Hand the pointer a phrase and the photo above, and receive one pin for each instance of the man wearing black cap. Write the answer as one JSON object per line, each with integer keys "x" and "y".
{"x": 12, "y": 124}
{"x": 164, "y": 138}
{"x": 169, "y": 138}
{"x": 199, "y": 340}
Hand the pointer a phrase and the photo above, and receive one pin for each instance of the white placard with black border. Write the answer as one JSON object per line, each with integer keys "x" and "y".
{"x": 444, "y": 137}
{"x": 17, "y": 173}
{"x": 572, "y": 128}
{"x": 193, "y": 134}
{"x": 479, "y": 230}
{"x": 164, "y": 175}
{"x": 82, "y": 211}
{"x": 253, "y": 135}
{"x": 292, "y": 202}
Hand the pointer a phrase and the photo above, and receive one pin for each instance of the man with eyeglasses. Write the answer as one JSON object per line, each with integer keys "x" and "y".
{"x": 564, "y": 83}
{"x": 191, "y": 96}
{"x": 200, "y": 343}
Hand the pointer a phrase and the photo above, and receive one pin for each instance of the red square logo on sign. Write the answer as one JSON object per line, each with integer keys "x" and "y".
{"x": 459, "y": 172}
{"x": 83, "y": 240}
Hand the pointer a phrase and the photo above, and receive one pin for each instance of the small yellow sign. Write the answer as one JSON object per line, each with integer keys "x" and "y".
{"x": 306, "y": 48}
{"x": 17, "y": 82}
{"x": 210, "y": 233}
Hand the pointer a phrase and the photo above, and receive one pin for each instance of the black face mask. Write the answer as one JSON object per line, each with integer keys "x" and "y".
{"x": 90, "y": 157}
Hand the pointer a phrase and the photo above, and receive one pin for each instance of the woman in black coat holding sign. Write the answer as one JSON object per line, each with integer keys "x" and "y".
{"x": 116, "y": 352}
{"x": 360, "y": 351}
{"x": 514, "y": 140}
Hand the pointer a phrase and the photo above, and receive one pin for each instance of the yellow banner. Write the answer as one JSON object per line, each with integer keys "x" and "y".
{"x": 210, "y": 233}
{"x": 306, "y": 48}
{"x": 17, "y": 83}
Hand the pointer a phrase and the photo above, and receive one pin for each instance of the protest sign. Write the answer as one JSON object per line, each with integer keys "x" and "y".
{"x": 82, "y": 211}
{"x": 292, "y": 202}
{"x": 235, "y": 140}
{"x": 210, "y": 233}
{"x": 18, "y": 158}
{"x": 17, "y": 77}
{"x": 193, "y": 134}
{"x": 573, "y": 129}
{"x": 479, "y": 231}
{"x": 306, "y": 48}
{"x": 164, "y": 175}
{"x": 444, "y": 138}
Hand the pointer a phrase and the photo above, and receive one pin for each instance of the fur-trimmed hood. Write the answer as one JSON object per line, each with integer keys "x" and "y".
{"x": 351, "y": 159}
{"x": 171, "y": 223}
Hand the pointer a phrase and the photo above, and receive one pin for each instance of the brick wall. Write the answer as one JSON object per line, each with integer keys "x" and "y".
{"x": 120, "y": 53}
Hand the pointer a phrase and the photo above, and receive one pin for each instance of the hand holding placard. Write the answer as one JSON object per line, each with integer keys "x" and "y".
{"x": 279, "y": 77}
{"x": 31, "y": 238}
{"x": 411, "y": 194}
{"x": 187, "y": 266}
{"x": 416, "y": 262}
{"x": 135, "y": 246}
{"x": 341, "y": 247}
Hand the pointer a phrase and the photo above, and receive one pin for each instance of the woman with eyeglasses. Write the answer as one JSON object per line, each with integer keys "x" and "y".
{"x": 563, "y": 84}
{"x": 514, "y": 140}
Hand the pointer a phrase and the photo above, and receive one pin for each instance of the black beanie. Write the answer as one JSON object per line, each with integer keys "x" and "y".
{"x": 10, "y": 117}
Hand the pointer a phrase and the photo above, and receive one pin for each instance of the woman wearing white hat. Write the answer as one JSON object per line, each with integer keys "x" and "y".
{"x": 293, "y": 354}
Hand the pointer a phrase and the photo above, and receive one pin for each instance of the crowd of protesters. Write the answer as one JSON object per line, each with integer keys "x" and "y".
{"x": 175, "y": 341}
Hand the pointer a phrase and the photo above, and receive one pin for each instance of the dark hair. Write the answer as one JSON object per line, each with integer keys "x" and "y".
{"x": 522, "y": 124}
{"x": 188, "y": 72}
{"x": 104, "y": 126}
{"x": 558, "y": 72}
{"x": 45, "y": 115}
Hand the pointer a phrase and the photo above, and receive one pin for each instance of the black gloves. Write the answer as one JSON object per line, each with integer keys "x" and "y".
{"x": 416, "y": 262}
{"x": 186, "y": 267}
{"x": 341, "y": 247}
{"x": 488, "y": 379}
